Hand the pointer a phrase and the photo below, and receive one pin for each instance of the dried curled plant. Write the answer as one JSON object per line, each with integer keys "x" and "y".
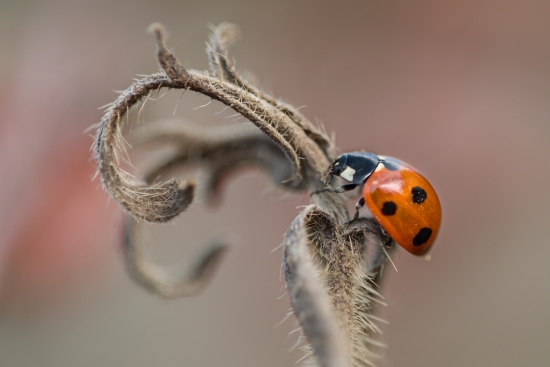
{"x": 331, "y": 264}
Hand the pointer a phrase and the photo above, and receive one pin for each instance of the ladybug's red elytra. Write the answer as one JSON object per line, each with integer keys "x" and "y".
{"x": 402, "y": 201}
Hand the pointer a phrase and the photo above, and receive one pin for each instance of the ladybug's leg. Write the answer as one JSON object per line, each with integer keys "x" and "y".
{"x": 336, "y": 190}
{"x": 360, "y": 203}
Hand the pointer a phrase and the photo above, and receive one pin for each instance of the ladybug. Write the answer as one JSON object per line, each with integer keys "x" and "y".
{"x": 398, "y": 196}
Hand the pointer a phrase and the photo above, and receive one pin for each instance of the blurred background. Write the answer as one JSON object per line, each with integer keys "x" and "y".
{"x": 458, "y": 89}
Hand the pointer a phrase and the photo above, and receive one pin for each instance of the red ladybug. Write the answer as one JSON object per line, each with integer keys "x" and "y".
{"x": 398, "y": 196}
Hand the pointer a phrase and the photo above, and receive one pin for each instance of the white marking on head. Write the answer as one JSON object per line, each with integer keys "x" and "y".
{"x": 379, "y": 167}
{"x": 347, "y": 174}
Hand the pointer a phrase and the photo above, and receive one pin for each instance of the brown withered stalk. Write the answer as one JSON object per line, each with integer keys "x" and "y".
{"x": 331, "y": 264}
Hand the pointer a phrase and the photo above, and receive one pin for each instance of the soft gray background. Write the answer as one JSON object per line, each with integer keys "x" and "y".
{"x": 459, "y": 89}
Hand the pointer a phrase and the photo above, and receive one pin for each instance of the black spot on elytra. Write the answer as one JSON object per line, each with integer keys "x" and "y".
{"x": 422, "y": 236}
{"x": 389, "y": 208}
{"x": 418, "y": 195}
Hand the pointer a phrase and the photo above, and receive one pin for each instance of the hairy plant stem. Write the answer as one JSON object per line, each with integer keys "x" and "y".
{"x": 330, "y": 264}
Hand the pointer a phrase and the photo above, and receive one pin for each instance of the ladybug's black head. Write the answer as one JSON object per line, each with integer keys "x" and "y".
{"x": 337, "y": 167}
{"x": 353, "y": 167}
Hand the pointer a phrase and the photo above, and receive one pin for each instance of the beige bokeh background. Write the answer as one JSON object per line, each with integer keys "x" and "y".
{"x": 458, "y": 89}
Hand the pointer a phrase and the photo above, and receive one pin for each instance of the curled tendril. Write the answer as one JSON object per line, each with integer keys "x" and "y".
{"x": 331, "y": 265}
{"x": 219, "y": 150}
{"x": 159, "y": 281}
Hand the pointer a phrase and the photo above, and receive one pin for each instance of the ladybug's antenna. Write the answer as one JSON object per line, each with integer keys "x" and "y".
{"x": 327, "y": 178}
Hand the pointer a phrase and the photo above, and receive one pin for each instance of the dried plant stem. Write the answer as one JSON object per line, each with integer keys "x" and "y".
{"x": 337, "y": 251}
{"x": 157, "y": 280}
{"x": 219, "y": 150}
{"x": 160, "y": 203}
{"x": 223, "y": 36}
{"x": 331, "y": 264}
{"x": 310, "y": 302}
